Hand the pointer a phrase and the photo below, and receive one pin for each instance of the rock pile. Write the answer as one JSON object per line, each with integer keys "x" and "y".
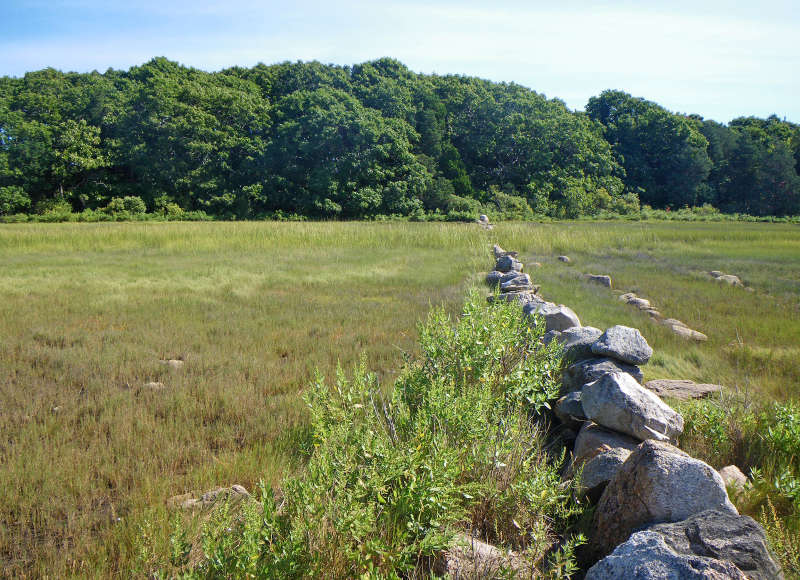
{"x": 660, "y": 513}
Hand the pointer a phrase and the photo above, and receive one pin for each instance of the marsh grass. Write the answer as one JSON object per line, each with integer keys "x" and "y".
{"x": 89, "y": 455}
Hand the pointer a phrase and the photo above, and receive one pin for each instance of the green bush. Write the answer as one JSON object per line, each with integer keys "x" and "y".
{"x": 391, "y": 477}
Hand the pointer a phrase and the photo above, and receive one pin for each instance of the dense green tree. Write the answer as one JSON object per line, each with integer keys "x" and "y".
{"x": 664, "y": 155}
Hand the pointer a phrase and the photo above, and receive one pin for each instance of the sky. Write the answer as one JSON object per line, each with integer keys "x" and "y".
{"x": 719, "y": 59}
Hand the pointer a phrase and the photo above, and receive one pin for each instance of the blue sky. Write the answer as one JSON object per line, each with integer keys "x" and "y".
{"x": 715, "y": 58}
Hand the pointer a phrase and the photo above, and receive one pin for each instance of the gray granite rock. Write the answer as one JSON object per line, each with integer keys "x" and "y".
{"x": 593, "y": 440}
{"x": 658, "y": 483}
{"x": 589, "y": 370}
{"x": 646, "y": 556}
{"x": 723, "y": 536}
{"x": 681, "y": 389}
{"x": 623, "y": 343}
{"x": 493, "y": 277}
{"x": 599, "y": 470}
{"x": 508, "y": 263}
{"x": 556, "y": 316}
{"x": 601, "y": 279}
{"x": 617, "y": 401}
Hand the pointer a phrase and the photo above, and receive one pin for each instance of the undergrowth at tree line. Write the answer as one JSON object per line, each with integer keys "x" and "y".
{"x": 457, "y": 444}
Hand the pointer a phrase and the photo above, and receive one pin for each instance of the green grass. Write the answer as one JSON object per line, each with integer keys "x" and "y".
{"x": 254, "y": 308}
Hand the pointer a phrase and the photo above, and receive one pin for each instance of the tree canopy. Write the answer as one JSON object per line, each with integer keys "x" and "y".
{"x": 375, "y": 138}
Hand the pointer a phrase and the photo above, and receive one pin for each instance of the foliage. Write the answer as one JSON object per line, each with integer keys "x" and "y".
{"x": 390, "y": 478}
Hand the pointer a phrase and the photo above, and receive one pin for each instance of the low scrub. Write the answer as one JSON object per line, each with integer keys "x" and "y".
{"x": 456, "y": 445}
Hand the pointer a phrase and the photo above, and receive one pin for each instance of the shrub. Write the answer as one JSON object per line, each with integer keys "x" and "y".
{"x": 392, "y": 476}
{"x": 13, "y": 199}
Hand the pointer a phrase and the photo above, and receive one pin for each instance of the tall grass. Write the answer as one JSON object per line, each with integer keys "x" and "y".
{"x": 89, "y": 453}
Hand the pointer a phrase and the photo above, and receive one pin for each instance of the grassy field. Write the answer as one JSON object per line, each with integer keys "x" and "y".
{"x": 89, "y": 454}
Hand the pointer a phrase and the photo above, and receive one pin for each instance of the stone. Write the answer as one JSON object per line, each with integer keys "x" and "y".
{"x": 517, "y": 284}
{"x": 627, "y": 296}
{"x": 500, "y": 252}
{"x": 564, "y": 259}
{"x": 731, "y": 280}
{"x": 681, "y": 389}
{"x": 623, "y": 343}
{"x": 493, "y": 277}
{"x": 569, "y": 409}
{"x": 577, "y": 342}
{"x": 535, "y": 265}
{"x": 556, "y": 316}
{"x": 673, "y": 322}
{"x": 472, "y": 558}
{"x": 593, "y": 440}
{"x": 617, "y": 401}
{"x": 483, "y": 218}
{"x": 513, "y": 275}
{"x": 646, "y": 556}
{"x": 508, "y": 263}
{"x": 640, "y": 303}
{"x": 603, "y": 280}
{"x": 715, "y": 273}
{"x": 153, "y": 386}
{"x": 550, "y": 336}
{"x": 723, "y": 536}
{"x": 658, "y": 483}
{"x": 653, "y": 313}
{"x": 599, "y": 470}
{"x": 688, "y": 333}
{"x": 586, "y": 371}
{"x": 524, "y": 297}
{"x": 173, "y": 363}
{"x": 733, "y": 477}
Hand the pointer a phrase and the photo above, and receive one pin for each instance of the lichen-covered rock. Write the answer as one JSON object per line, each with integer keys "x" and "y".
{"x": 623, "y": 343}
{"x": 723, "y": 536}
{"x": 508, "y": 263}
{"x": 646, "y": 556}
{"x": 589, "y": 370}
{"x": 556, "y": 316}
{"x": 658, "y": 483}
{"x": 617, "y": 401}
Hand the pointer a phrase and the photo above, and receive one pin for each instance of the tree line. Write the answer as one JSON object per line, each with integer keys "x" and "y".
{"x": 329, "y": 141}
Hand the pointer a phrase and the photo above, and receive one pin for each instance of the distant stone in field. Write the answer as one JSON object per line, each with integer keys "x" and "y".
{"x": 472, "y": 558}
{"x": 617, "y": 401}
{"x": 715, "y": 273}
{"x": 209, "y": 498}
{"x": 603, "y": 279}
{"x": 653, "y": 313}
{"x": 483, "y": 218}
{"x": 623, "y": 343}
{"x": 586, "y": 371}
{"x": 634, "y": 300}
{"x": 535, "y": 265}
{"x": 556, "y": 316}
{"x": 564, "y": 259}
{"x": 507, "y": 263}
{"x": 679, "y": 328}
{"x": 154, "y": 386}
{"x": 173, "y": 363}
{"x": 55, "y": 410}
{"x": 733, "y": 476}
{"x": 731, "y": 280}
{"x": 668, "y": 486}
{"x": 498, "y": 251}
{"x": 682, "y": 390}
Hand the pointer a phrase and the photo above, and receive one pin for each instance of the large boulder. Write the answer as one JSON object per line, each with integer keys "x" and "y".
{"x": 646, "y": 556}
{"x": 507, "y": 263}
{"x": 658, "y": 483}
{"x": 556, "y": 316}
{"x": 723, "y": 536}
{"x": 589, "y": 370}
{"x": 681, "y": 389}
{"x": 618, "y": 402}
{"x": 623, "y": 343}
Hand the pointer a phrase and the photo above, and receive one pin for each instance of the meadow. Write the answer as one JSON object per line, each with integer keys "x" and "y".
{"x": 90, "y": 454}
